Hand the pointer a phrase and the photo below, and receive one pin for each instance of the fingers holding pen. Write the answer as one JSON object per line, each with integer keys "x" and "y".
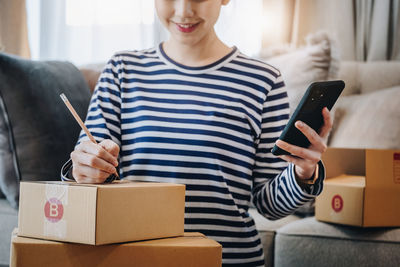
{"x": 98, "y": 151}
{"x": 86, "y": 159}
{"x": 111, "y": 147}
{"x": 92, "y": 163}
{"x": 87, "y": 174}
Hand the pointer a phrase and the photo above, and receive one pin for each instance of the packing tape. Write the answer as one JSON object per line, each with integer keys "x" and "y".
{"x": 58, "y": 229}
{"x": 59, "y": 191}
{"x": 54, "y": 223}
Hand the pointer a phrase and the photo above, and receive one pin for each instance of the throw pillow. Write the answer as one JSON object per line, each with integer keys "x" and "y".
{"x": 317, "y": 61}
{"x": 37, "y": 131}
{"x": 366, "y": 77}
{"x": 368, "y": 121}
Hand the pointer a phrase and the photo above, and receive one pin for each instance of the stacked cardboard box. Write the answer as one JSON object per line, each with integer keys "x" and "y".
{"x": 362, "y": 189}
{"x": 191, "y": 249}
{"x": 104, "y": 214}
{"x": 101, "y": 214}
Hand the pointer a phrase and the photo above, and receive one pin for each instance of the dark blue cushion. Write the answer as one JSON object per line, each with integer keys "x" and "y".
{"x": 37, "y": 132}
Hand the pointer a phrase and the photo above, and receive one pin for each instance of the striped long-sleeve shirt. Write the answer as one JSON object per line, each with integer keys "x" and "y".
{"x": 210, "y": 128}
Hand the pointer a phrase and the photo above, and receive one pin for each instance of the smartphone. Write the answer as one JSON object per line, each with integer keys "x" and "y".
{"x": 309, "y": 111}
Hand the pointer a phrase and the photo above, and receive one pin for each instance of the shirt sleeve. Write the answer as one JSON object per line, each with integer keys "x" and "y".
{"x": 276, "y": 193}
{"x": 104, "y": 114}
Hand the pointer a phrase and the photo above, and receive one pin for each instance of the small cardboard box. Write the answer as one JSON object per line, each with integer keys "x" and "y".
{"x": 122, "y": 211}
{"x": 362, "y": 189}
{"x": 192, "y": 249}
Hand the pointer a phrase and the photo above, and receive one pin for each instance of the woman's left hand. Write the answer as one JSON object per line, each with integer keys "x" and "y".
{"x": 306, "y": 159}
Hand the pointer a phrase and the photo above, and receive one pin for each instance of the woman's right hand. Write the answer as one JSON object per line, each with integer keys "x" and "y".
{"x": 94, "y": 163}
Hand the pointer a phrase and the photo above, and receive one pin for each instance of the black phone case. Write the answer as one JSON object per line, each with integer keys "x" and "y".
{"x": 309, "y": 111}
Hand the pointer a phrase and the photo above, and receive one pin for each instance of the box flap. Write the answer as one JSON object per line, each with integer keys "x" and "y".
{"x": 134, "y": 184}
{"x": 382, "y": 192}
{"x": 381, "y": 168}
{"x": 66, "y": 183}
{"x": 114, "y": 184}
{"x": 187, "y": 240}
{"x": 340, "y": 161}
{"x": 347, "y": 180}
{"x": 194, "y": 239}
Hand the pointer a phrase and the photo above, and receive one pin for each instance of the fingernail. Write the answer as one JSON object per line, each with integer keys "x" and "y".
{"x": 300, "y": 123}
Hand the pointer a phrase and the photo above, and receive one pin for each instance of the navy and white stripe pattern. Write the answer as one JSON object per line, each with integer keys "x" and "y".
{"x": 211, "y": 128}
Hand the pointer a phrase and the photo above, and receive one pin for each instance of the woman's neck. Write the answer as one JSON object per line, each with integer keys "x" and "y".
{"x": 202, "y": 53}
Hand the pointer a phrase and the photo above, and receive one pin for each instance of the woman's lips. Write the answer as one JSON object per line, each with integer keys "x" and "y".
{"x": 186, "y": 27}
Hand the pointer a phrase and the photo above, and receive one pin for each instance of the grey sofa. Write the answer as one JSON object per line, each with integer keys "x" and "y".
{"x": 303, "y": 241}
{"x": 298, "y": 241}
{"x": 37, "y": 132}
{"x": 8, "y": 221}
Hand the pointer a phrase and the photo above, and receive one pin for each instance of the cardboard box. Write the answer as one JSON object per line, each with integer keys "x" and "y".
{"x": 192, "y": 249}
{"x": 122, "y": 211}
{"x": 369, "y": 192}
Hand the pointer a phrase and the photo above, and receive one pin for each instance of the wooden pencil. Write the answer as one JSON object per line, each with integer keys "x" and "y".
{"x": 78, "y": 119}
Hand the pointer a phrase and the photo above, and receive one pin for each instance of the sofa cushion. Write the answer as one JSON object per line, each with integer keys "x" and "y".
{"x": 9, "y": 221}
{"x": 309, "y": 242}
{"x": 37, "y": 131}
{"x": 267, "y": 230}
{"x": 363, "y": 121}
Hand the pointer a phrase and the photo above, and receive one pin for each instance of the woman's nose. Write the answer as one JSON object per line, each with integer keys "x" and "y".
{"x": 183, "y": 8}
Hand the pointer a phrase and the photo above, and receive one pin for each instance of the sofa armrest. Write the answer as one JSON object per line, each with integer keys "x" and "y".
{"x": 91, "y": 73}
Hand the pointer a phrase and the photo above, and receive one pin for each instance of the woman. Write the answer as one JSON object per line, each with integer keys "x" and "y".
{"x": 195, "y": 111}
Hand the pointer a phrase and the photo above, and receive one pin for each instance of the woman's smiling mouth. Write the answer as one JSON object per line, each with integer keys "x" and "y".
{"x": 186, "y": 27}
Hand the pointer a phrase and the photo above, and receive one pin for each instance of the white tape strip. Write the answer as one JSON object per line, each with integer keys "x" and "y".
{"x": 54, "y": 224}
{"x": 58, "y": 229}
{"x": 58, "y": 191}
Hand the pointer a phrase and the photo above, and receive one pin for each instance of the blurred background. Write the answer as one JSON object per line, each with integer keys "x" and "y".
{"x": 90, "y": 31}
{"x": 357, "y": 41}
